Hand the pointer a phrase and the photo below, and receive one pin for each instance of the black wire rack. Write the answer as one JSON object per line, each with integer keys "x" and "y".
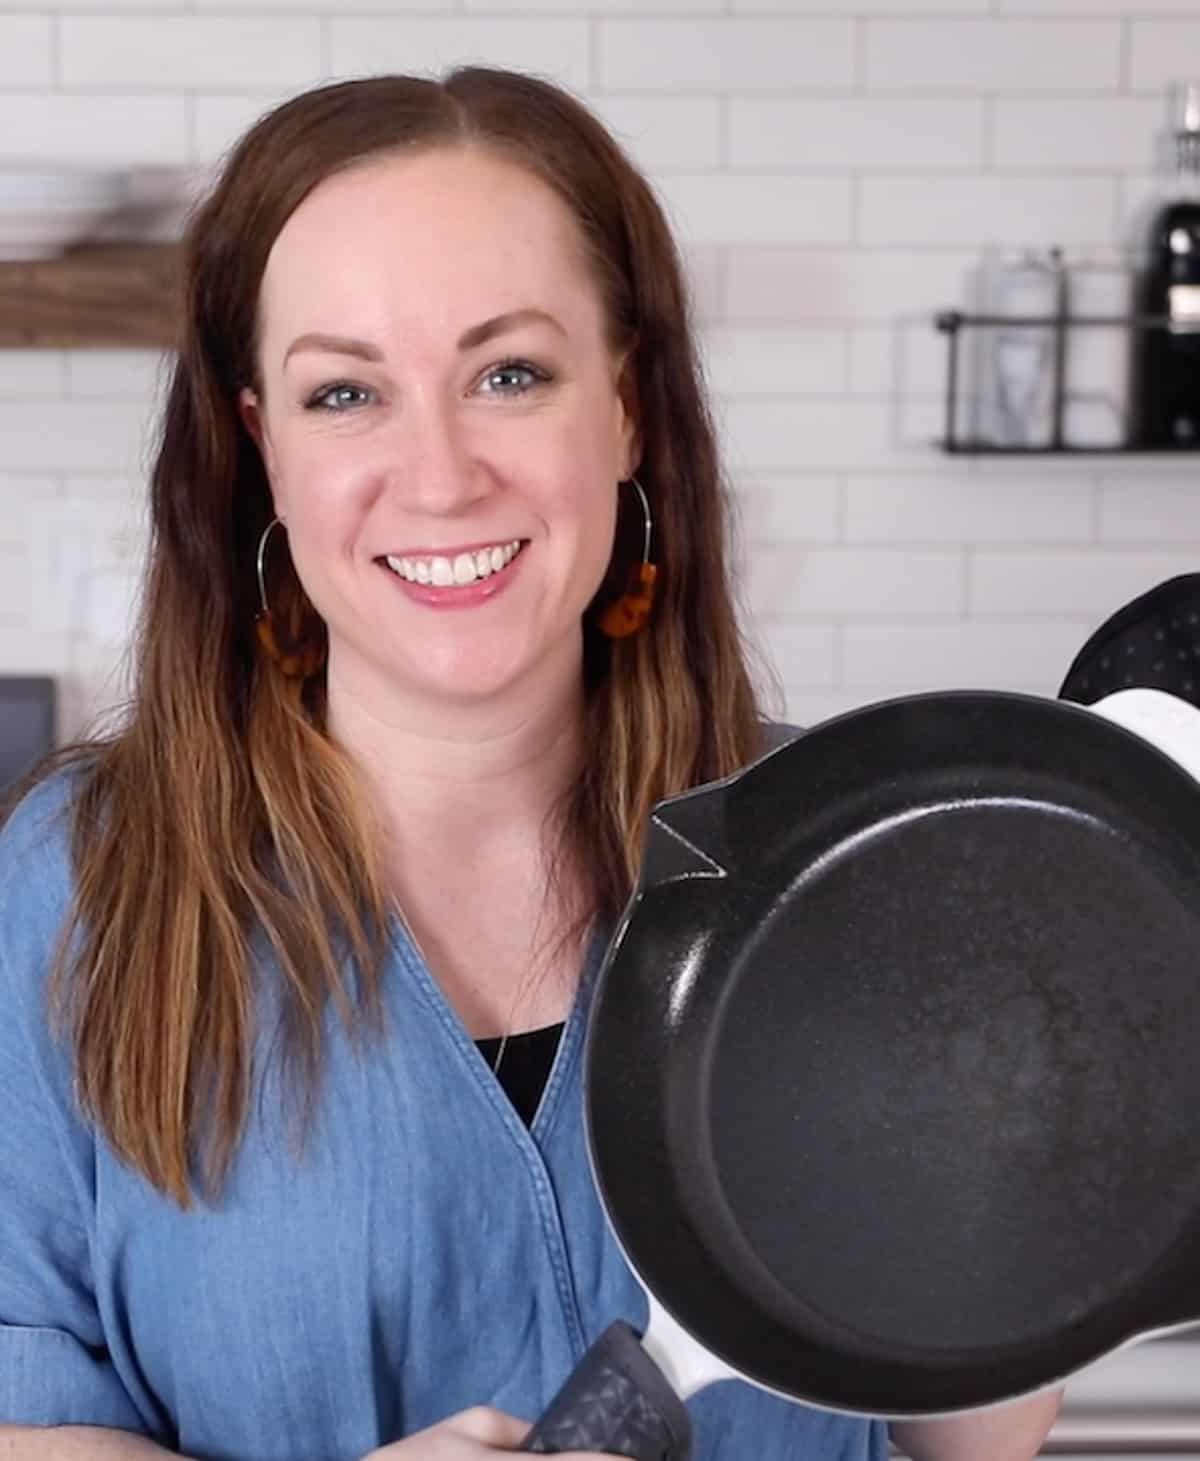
{"x": 952, "y": 323}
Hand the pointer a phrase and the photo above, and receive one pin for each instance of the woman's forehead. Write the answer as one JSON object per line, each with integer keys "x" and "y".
{"x": 442, "y": 239}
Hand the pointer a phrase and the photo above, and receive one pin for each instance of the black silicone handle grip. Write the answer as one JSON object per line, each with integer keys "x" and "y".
{"x": 617, "y": 1401}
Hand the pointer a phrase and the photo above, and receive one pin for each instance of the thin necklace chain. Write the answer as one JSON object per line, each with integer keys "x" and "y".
{"x": 416, "y": 943}
{"x": 500, "y": 1054}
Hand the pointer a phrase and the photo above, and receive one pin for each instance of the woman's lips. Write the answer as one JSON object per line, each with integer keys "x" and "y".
{"x": 457, "y": 595}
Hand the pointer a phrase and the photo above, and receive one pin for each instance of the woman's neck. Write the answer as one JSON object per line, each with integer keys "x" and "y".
{"x": 478, "y": 771}
{"x": 463, "y": 797}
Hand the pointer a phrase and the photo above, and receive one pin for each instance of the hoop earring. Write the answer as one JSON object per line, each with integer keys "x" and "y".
{"x": 630, "y": 613}
{"x": 297, "y": 658}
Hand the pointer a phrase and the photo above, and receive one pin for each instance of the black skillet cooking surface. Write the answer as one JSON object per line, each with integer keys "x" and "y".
{"x": 894, "y": 1072}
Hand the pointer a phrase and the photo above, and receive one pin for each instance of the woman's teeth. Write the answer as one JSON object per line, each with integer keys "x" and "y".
{"x": 458, "y": 571}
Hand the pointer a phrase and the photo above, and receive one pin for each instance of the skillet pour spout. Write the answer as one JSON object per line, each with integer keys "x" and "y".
{"x": 685, "y": 839}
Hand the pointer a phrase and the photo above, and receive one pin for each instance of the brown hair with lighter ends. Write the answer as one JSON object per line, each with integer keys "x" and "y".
{"x": 221, "y": 812}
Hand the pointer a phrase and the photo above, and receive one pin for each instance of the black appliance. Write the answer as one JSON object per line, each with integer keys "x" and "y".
{"x": 27, "y": 707}
{"x": 1167, "y": 368}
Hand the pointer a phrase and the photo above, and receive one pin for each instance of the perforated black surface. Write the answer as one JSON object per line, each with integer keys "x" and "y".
{"x": 616, "y": 1401}
{"x": 1152, "y": 642}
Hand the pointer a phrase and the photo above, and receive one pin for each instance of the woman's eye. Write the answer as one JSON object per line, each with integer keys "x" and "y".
{"x": 339, "y": 397}
{"x": 513, "y": 378}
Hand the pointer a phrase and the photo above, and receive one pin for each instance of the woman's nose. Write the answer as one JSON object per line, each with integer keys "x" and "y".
{"x": 435, "y": 466}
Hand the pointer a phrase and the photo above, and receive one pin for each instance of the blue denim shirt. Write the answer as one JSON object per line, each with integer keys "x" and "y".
{"x": 424, "y": 1252}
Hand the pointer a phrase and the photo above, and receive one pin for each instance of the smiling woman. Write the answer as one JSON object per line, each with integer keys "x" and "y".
{"x": 295, "y": 965}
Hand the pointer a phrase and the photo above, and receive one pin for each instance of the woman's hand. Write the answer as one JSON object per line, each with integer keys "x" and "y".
{"x": 468, "y": 1436}
{"x": 1013, "y": 1431}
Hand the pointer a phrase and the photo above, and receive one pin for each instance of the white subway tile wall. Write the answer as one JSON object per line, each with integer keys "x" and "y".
{"x": 844, "y": 285}
{"x": 25, "y": 373}
{"x": 834, "y": 169}
{"x": 667, "y": 132}
{"x": 26, "y": 51}
{"x": 751, "y": 208}
{"x": 92, "y": 128}
{"x": 15, "y": 587}
{"x": 845, "y": 133}
{"x": 991, "y": 56}
{"x": 1001, "y": 208}
{"x": 724, "y": 56}
{"x": 1089, "y": 133}
{"x": 754, "y": 361}
{"x": 173, "y": 52}
{"x": 1161, "y": 51}
{"x": 558, "y": 48}
{"x": 73, "y": 435}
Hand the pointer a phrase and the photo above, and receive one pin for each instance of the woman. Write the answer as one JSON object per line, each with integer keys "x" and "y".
{"x": 264, "y": 1196}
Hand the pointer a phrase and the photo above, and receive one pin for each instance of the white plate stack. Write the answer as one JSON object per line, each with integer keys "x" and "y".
{"x": 158, "y": 201}
{"x": 47, "y": 207}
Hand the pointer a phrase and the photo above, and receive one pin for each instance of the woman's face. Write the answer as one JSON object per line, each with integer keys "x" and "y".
{"x": 443, "y": 424}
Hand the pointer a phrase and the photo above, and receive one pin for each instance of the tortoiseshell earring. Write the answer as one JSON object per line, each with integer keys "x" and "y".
{"x": 630, "y": 613}
{"x": 298, "y": 658}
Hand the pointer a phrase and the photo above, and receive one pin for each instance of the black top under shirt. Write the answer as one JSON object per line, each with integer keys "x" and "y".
{"x": 525, "y": 1068}
{"x": 528, "y": 1057}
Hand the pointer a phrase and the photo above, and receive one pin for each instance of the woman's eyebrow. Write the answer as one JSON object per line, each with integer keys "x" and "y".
{"x": 334, "y": 345}
{"x": 468, "y": 340}
{"x": 498, "y": 324}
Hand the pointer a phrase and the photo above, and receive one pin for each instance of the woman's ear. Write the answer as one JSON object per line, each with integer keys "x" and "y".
{"x": 631, "y": 414}
{"x": 251, "y": 413}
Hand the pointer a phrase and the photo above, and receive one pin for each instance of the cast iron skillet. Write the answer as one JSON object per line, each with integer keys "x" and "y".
{"x": 893, "y": 1074}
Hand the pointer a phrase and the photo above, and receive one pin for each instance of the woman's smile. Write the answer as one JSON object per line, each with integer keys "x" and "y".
{"x": 459, "y": 578}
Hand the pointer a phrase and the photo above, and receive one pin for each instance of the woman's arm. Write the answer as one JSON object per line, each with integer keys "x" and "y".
{"x": 477, "y": 1434}
{"x": 75, "y": 1443}
{"x": 1012, "y": 1432}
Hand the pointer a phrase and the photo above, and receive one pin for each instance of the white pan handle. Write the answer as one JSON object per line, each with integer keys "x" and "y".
{"x": 1166, "y": 721}
{"x": 684, "y": 1361}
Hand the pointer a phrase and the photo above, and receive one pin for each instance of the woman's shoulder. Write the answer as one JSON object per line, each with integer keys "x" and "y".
{"x": 40, "y": 820}
{"x": 778, "y": 733}
{"x": 35, "y": 861}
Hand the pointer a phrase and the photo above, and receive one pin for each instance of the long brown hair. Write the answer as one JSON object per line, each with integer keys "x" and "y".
{"x": 221, "y": 812}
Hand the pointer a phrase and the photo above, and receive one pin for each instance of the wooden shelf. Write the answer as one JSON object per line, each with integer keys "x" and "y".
{"x": 100, "y": 295}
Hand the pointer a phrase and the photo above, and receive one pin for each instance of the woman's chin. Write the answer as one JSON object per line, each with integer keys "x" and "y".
{"x": 462, "y": 671}
{"x": 466, "y": 680}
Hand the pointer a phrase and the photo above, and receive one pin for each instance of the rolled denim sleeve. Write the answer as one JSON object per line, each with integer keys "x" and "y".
{"x": 48, "y": 1378}
{"x": 54, "y": 1363}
